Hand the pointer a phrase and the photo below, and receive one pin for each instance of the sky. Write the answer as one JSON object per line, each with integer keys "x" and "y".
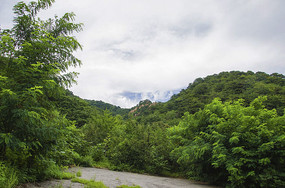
{"x": 151, "y": 49}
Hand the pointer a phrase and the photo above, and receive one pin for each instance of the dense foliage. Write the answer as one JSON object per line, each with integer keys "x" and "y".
{"x": 75, "y": 108}
{"x": 230, "y": 86}
{"x": 232, "y": 144}
{"x": 235, "y": 140}
{"x": 34, "y": 59}
{"x": 115, "y": 110}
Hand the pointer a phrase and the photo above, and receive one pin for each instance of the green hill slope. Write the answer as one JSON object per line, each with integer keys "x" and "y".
{"x": 230, "y": 86}
{"x": 227, "y": 86}
{"x": 115, "y": 110}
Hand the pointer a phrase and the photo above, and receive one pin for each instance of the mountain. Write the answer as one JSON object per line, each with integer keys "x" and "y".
{"x": 227, "y": 86}
{"x": 230, "y": 86}
{"x": 158, "y": 96}
{"x": 115, "y": 110}
{"x": 142, "y": 107}
{"x": 75, "y": 108}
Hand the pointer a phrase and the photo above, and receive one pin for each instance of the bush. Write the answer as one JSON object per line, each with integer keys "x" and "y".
{"x": 78, "y": 173}
{"x": 8, "y": 176}
{"x": 86, "y": 161}
{"x": 232, "y": 145}
{"x": 54, "y": 171}
{"x": 97, "y": 152}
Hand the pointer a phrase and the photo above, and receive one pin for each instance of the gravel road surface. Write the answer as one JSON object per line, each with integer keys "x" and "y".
{"x": 113, "y": 179}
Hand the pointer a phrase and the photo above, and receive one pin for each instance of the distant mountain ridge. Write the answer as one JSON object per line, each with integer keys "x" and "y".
{"x": 115, "y": 110}
{"x": 227, "y": 86}
{"x": 141, "y": 107}
{"x": 158, "y": 96}
{"x": 230, "y": 86}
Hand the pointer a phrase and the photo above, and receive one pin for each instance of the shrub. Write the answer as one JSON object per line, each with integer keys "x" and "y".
{"x": 8, "y": 176}
{"x": 89, "y": 183}
{"x": 79, "y": 173}
{"x": 97, "y": 152}
{"x": 86, "y": 161}
{"x": 232, "y": 144}
{"x": 54, "y": 171}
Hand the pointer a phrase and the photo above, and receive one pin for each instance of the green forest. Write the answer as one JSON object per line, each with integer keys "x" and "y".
{"x": 227, "y": 129}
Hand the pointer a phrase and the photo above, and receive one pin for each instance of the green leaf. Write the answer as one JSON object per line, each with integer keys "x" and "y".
{"x": 264, "y": 161}
{"x": 234, "y": 140}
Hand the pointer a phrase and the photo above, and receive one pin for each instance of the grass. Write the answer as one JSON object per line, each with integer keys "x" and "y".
{"x": 79, "y": 173}
{"x": 89, "y": 183}
{"x": 8, "y": 176}
{"x": 56, "y": 172}
{"x": 172, "y": 174}
{"x": 103, "y": 164}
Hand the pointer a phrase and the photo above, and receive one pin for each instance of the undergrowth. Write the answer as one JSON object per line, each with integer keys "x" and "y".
{"x": 8, "y": 176}
{"x": 54, "y": 171}
{"x": 89, "y": 183}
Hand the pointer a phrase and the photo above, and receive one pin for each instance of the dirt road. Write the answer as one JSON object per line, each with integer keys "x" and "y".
{"x": 113, "y": 179}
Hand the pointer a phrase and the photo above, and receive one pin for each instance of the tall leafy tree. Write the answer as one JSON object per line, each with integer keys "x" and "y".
{"x": 34, "y": 59}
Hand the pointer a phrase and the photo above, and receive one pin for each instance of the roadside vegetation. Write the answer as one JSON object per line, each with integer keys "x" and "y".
{"x": 227, "y": 129}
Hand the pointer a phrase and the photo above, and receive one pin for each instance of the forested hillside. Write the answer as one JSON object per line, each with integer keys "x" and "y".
{"x": 230, "y": 86}
{"x": 227, "y": 86}
{"x": 227, "y": 129}
{"x": 115, "y": 110}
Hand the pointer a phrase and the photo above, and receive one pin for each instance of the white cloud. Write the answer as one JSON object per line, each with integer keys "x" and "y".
{"x": 163, "y": 45}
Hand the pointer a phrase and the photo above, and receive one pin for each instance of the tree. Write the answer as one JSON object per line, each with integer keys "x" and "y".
{"x": 232, "y": 145}
{"x": 34, "y": 58}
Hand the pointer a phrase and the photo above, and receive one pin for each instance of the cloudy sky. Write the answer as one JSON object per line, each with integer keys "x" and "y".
{"x": 138, "y": 49}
